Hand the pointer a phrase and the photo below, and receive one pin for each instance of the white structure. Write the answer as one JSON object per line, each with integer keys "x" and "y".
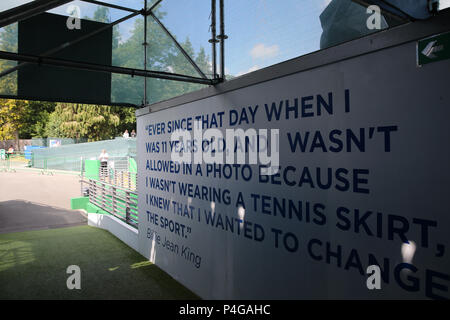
{"x": 364, "y": 169}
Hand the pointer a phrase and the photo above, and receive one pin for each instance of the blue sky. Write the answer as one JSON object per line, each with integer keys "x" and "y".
{"x": 261, "y": 32}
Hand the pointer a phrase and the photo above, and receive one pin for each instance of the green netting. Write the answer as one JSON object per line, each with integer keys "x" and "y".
{"x": 71, "y": 157}
{"x": 49, "y": 142}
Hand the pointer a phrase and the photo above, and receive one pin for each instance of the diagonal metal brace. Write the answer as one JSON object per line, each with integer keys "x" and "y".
{"x": 186, "y": 55}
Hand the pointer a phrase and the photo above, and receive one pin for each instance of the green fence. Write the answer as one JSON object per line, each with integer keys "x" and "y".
{"x": 72, "y": 157}
{"x": 47, "y": 142}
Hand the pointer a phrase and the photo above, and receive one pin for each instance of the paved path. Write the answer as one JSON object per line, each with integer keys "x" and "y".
{"x": 31, "y": 201}
{"x": 20, "y": 215}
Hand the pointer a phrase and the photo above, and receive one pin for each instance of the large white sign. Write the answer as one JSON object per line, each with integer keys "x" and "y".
{"x": 361, "y": 190}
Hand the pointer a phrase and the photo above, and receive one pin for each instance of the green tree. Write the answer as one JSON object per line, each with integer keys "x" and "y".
{"x": 93, "y": 122}
{"x": 9, "y": 37}
{"x": 202, "y": 60}
{"x": 53, "y": 126}
{"x": 35, "y": 117}
{"x": 8, "y": 83}
{"x": 11, "y": 118}
{"x": 127, "y": 119}
{"x": 102, "y": 14}
{"x": 8, "y": 42}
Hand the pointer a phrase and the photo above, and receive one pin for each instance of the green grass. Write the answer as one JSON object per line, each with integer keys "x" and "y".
{"x": 33, "y": 266}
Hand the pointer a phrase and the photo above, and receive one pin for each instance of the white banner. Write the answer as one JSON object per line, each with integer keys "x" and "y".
{"x": 361, "y": 190}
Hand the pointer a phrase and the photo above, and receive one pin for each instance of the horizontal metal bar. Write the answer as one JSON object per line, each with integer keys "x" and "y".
{"x": 96, "y": 183}
{"x": 110, "y": 185}
{"x": 109, "y": 205}
{"x": 133, "y": 203}
{"x": 102, "y": 68}
{"x": 28, "y": 10}
{"x": 111, "y": 5}
{"x": 69, "y": 100}
{"x": 118, "y": 197}
{"x": 131, "y": 207}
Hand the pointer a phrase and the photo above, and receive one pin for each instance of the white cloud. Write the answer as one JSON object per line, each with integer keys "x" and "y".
{"x": 261, "y": 51}
{"x": 254, "y": 68}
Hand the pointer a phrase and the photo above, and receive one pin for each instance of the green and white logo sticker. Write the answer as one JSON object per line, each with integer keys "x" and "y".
{"x": 433, "y": 49}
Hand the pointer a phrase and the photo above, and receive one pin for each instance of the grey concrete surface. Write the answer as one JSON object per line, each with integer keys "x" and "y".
{"x": 20, "y": 215}
{"x": 32, "y": 186}
{"x": 30, "y": 201}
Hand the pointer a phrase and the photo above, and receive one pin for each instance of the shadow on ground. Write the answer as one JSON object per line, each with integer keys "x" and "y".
{"x": 22, "y": 215}
{"x": 33, "y": 266}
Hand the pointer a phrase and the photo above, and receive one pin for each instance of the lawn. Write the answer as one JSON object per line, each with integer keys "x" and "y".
{"x": 33, "y": 266}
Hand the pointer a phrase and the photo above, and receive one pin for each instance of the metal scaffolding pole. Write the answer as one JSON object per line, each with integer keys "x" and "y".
{"x": 213, "y": 39}
{"x": 145, "y": 44}
{"x": 102, "y": 68}
{"x": 110, "y": 5}
{"x": 222, "y": 38}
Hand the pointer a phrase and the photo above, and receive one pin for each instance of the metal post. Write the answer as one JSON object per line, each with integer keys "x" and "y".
{"x": 127, "y": 206}
{"x": 103, "y": 194}
{"x": 81, "y": 177}
{"x": 95, "y": 199}
{"x": 145, "y": 102}
{"x": 222, "y": 38}
{"x": 113, "y": 196}
{"x": 92, "y": 192}
{"x": 213, "y": 39}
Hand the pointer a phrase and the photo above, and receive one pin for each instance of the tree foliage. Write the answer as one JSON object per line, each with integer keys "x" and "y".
{"x": 93, "y": 122}
{"x": 11, "y": 115}
{"x": 35, "y": 118}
